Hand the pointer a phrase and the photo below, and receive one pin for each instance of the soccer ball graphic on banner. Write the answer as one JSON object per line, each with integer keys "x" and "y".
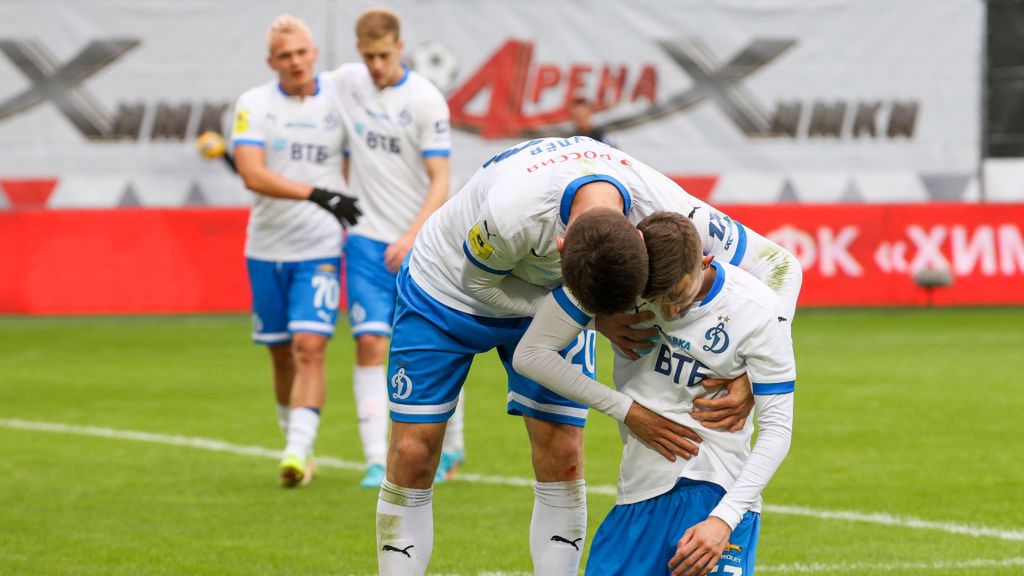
{"x": 211, "y": 145}
{"x": 436, "y": 62}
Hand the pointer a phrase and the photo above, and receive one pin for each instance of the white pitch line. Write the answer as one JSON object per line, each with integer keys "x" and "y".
{"x": 865, "y": 568}
{"x": 327, "y": 461}
{"x": 901, "y": 521}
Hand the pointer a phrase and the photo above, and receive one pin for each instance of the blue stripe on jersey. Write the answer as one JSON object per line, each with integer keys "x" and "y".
{"x": 741, "y": 244}
{"x": 717, "y": 286}
{"x": 430, "y": 153}
{"x": 481, "y": 266}
{"x": 776, "y": 388}
{"x": 247, "y": 142}
{"x": 346, "y": 153}
{"x": 405, "y": 76}
{"x": 316, "y": 88}
{"x": 578, "y": 316}
{"x": 574, "y": 186}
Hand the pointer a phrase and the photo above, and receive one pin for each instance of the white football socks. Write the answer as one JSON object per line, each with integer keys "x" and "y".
{"x": 282, "y": 419}
{"x": 405, "y": 530}
{"x": 371, "y": 391}
{"x": 453, "y": 438}
{"x": 558, "y": 529}
{"x": 302, "y": 427}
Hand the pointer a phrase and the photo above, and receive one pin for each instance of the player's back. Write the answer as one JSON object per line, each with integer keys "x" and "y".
{"x": 391, "y": 131}
{"x": 301, "y": 140}
{"x": 508, "y": 217}
{"x": 737, "y": 328}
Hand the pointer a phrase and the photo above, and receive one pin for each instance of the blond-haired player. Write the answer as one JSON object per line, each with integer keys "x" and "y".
{"x": 287, "y": 139}
{"x": 398, "y": 168}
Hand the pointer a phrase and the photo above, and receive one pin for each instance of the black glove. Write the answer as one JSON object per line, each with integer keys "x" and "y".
{"x": 343, "y": 207}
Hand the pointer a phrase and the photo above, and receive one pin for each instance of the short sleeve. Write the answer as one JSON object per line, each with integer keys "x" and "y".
{"x": 493, "y": 247}
{"x": 434, "y": 124}
{"x": 768, "y": 353}
{"x": 247, "y": 123}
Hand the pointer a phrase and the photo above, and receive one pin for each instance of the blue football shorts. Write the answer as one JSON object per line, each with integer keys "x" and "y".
{"x": 370, "y": 287}
{"x": 433, "y": 346}
{"x": 290, "y": 297}
{"x": 641, "y": 538}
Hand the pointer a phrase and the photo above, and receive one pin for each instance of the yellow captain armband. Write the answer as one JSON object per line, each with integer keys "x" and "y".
{"x": 478, "y": 243}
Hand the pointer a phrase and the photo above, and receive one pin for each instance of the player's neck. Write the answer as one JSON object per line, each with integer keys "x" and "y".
{"x": 598, "y": 194}
{"x": 394, "y": 77}
{"x": 708, "y": 276}
{"x": 300, "y": 90}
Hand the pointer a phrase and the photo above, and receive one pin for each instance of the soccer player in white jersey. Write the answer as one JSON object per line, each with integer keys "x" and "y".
{"x": 714, "y": 320}
{"x": 287, "y": 141}
{"x": 479, "y": 269}
{"x": 398, "y": 151}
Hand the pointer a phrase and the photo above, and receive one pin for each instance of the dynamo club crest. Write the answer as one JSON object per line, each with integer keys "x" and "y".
{"x": 718, "y": 338}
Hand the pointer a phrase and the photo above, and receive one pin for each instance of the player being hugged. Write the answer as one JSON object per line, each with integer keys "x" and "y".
{"x": 287, "y": 142}
{"x": 714, "y": 321}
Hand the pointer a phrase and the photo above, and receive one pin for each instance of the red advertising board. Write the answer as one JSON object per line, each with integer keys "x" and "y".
{"x": 174, "y": 261}
{"x": 130, "y": 260}
{"x": 868, "y": 255}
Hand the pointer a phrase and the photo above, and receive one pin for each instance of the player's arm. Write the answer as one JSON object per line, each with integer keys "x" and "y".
{"x": 559, "y": 322}
{"x": 769, "y": 357}
{"x": 253, "y": 169}
{"x": 433, "y": 128}
{"x": 777, "y": 267}
{"x": 493, "y": 248}
{"x": 437, "y": 166}
{"x": 247, "y": 140}
{"x": 251, "y": 163}
{"x": 732, "y": 242}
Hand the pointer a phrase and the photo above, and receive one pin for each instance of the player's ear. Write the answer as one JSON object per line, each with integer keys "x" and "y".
{"x": 706, "y": 261}
{"x": 560, "y": 242}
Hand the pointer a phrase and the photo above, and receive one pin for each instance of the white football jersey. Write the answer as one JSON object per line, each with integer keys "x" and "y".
{"x": 508, "y": 217}
{"x": 739, "y": 327}
{"x": 302, "y": 140}
{"x": 391, "y": 131}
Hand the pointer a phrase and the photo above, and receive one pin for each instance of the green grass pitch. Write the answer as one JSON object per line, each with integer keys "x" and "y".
{"x": 908, "y": 455}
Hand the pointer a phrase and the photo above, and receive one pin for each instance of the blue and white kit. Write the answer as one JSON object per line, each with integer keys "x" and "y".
{"x": 491, "y": 253}
{"x": 392, "y": 130}
{"x": 740, "y": 326}
{"x": 292, "y": 247}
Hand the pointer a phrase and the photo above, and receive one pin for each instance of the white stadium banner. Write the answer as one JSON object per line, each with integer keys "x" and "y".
{"x": 761, "y": 101}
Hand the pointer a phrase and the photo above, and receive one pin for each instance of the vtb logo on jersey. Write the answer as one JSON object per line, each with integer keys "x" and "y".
{"x": 717, "y": 336}
{"x": 402, "y": 385}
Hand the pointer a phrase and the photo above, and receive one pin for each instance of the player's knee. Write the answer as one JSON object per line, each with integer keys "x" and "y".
{"x": 410, "y": 461}
{"x": 281, "y": 357}
{"x": 558, "y": 457}
{"x": 309, "y": 349}
{"x": 371, "y": 349}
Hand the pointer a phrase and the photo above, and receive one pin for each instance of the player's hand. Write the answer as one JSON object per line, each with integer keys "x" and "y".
{"x": 634, "y": 342}
{"x": 700, "y": 548}
{"x": 396, "y": 252}
{"x": 669, "y": 438}
{"x": 729, "y": 412}
{"x": 343, "y": 207}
